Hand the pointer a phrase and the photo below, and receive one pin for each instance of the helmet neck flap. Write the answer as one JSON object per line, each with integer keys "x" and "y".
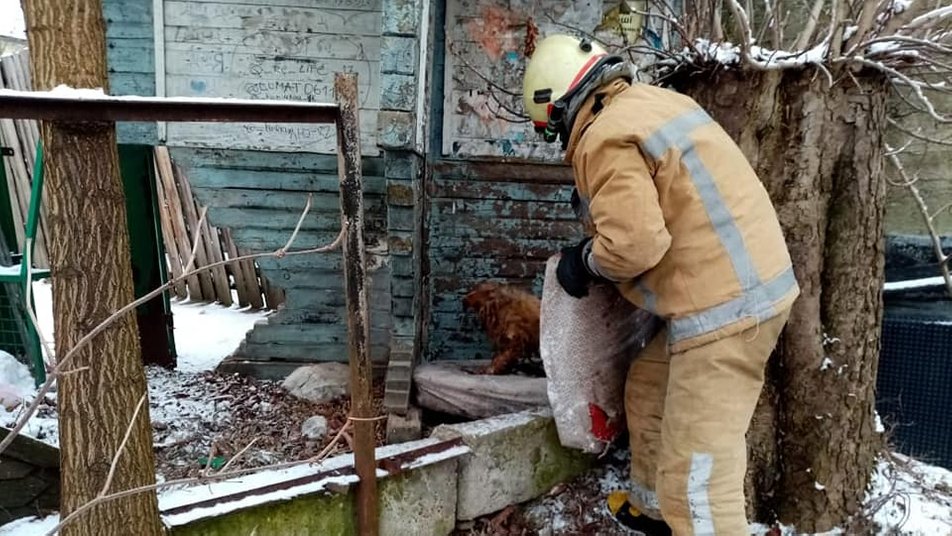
{"x": 564, "y": 111}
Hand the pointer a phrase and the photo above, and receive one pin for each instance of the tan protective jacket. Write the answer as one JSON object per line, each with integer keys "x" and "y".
{"x": 684, "y": 225}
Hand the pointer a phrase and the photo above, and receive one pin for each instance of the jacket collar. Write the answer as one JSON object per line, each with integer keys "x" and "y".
{"x": 587, "y": 113}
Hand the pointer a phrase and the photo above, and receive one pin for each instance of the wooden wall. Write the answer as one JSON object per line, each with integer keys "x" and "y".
{"x": 130, "y": 55}
{"x": 260, "y": 196}
{"x": 490, "y": 221}
{"x": 257, "y": 49}
{"x": 498, "y": 196}
{"x": 485, "y": 52}
{"x": 254, "y": 178}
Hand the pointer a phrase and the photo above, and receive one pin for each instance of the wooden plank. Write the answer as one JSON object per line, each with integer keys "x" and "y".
{"x": 256, "y": 50}
{"x": 268, "y": 199}
{"x": 305, "y": 163}
{"x": 284, "y": 220}
{"x": 168, "y": 237}
{"x": 131, "y": 56}
{"x": 262, "y": 16}
{"x": 176, "y": 217}
{"x": 313, "y": 45}
{"x": 220, "y": 277}
{"x": 211, "y": 243}
{"x": 465, "y": 225}
{"x": 198, "y": 73}
{"x": 269, "y": 136}
{"x": 121, "y": 29}
{"x": 245, "y": 285}
{"x": 502, "y": 209}
{"x": 357, "y": 5}
{"x": 128, "y": 11}
{"x": 505, "y": 172}
{"x": 267, "y": 86}
{"x": 320, "y": 278}
{"x": 131, "y": 84}
{"x": 221, "y": 179}
{"x": 307, "y": 334}
{"x": 18, "y": 176}
{"x": 316, "y": 352}
{"x": 256, "y": 239}
{"x": 273, "y": 295}
{"x": 194, "y": 232}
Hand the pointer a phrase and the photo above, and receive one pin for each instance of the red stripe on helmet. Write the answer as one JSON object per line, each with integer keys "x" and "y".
{"x": 581, "y": 72}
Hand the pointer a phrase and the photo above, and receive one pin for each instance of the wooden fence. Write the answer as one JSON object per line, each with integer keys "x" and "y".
{"x": 240, "y": 282}
{"x": 21, "y": 136}
{"x": 180, "y": 216}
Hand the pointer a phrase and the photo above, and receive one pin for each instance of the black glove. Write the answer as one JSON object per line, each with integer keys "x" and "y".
{"x": 572, "y": 273}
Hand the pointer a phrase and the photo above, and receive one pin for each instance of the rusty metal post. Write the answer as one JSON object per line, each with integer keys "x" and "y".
{"x": 355, "y": 291}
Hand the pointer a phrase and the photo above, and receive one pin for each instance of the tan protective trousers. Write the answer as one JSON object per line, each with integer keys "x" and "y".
{"x": 688, "y": 415}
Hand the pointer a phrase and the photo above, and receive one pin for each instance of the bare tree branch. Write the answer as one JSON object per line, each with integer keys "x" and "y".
{"x": 803, "y": 40}
{"x": 59, "y": 370}
{"x": 928, "y": 219}
{"x": 204, "y": 479}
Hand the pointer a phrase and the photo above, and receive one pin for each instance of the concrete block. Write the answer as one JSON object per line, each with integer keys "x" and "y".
{"x": 514, "y": 458}
{"x": 417, "y": 484}
{"x": 422, "y": 501}
{"x": 403, "y": 428}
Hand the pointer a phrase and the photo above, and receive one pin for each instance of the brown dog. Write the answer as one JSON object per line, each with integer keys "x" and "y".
{"x": 510, "y": 318}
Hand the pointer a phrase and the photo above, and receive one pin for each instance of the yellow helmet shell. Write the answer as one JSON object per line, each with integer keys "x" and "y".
{"x": 558, "y": 63}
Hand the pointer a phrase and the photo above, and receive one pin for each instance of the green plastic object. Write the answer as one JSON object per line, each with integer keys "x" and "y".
{"x": 25, "y": 277}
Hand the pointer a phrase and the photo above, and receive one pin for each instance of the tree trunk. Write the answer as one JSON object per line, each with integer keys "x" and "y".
{"x": 819, "y": 153}
{"x": 92, "y": 277}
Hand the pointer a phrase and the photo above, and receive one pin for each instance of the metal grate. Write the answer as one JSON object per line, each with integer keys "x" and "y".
{"x": 915, "y": 371}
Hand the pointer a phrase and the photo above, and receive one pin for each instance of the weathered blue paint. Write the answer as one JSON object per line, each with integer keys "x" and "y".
{"x": 490, "y": 222}
{"x": 260, "y": 196}
{"x": 399, "y": 55}
{"x": 131, "y": 60}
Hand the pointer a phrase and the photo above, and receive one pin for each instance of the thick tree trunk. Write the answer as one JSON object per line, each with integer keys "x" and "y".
{"x": 819, "y": 152}
{"x": 92, "y": 277}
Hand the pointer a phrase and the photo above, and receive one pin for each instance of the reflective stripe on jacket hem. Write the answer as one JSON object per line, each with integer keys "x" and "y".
{"x": 755, "y": 303}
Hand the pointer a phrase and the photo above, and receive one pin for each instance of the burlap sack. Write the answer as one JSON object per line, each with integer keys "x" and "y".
{"x": 586, "y": 347}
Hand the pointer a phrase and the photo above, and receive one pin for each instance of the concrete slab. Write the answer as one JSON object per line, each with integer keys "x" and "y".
{"x": 513, "y": 458}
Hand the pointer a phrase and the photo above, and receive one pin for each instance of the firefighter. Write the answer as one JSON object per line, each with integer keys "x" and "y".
{"x": 682, "y": 226}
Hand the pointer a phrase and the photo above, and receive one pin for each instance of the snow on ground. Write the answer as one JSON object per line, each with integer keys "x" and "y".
{"x": 11, "y": 19}
{"x": 906, "y": 497}
{"x": 180, "y": 399}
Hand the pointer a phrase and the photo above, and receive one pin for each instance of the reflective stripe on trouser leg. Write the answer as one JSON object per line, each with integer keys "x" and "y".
{"x": 712, "y": 393}
{"x": 645, "y": 389}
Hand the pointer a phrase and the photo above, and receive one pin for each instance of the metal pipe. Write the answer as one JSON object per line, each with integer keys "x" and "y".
{"x": 83, "y": 108}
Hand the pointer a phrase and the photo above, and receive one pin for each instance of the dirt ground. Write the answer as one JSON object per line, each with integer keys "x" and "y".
{"x": 210, "y": 415}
